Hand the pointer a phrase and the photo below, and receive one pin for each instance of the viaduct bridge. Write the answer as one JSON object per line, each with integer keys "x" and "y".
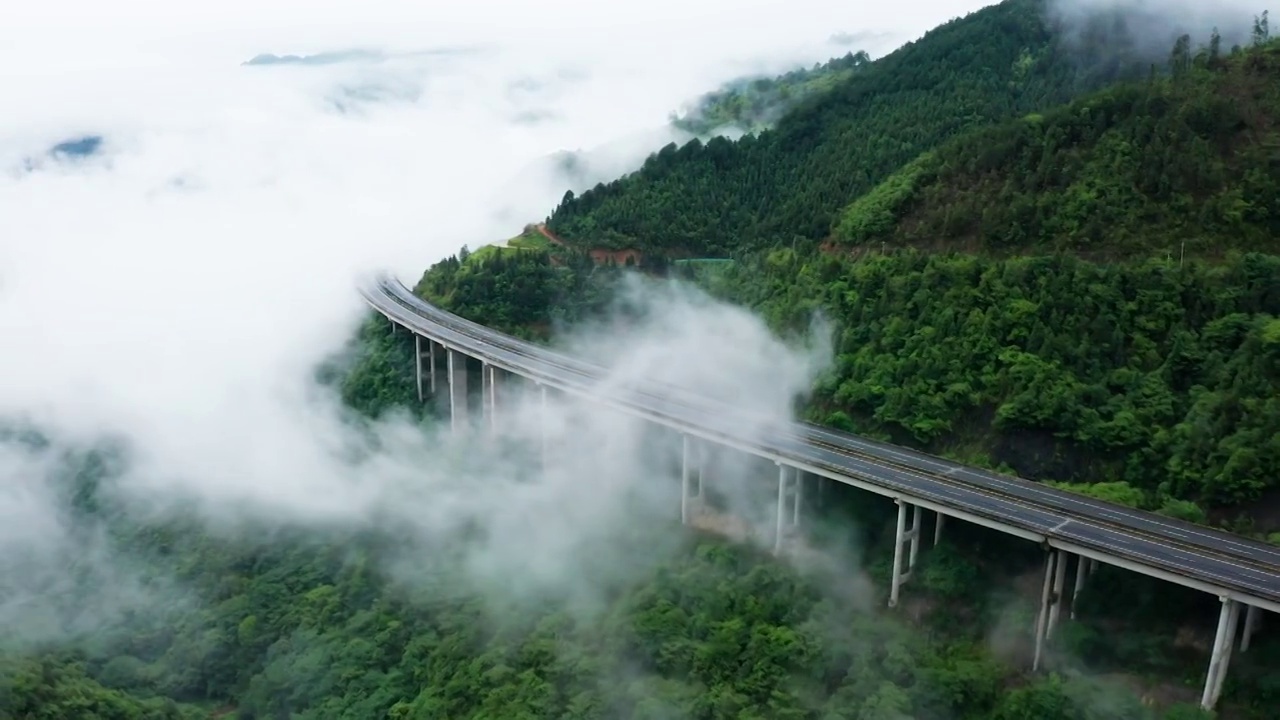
{"x": 1075, "y": 531}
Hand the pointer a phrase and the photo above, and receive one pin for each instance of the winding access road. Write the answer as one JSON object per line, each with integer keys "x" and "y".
{"x": 1210, "y": 560}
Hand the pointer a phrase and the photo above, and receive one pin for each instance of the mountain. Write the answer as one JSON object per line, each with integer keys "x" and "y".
{"x": 716, "y": 197}
{"x": 755, "y": 103}
{"x": 1136, "y": 345}
{"x": 1188, "y": 162}
{"x": 1155, "y": 381}
{"x": 323, "y": 58}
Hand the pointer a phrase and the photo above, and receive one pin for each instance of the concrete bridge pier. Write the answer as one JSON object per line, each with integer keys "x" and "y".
{"x": 692, "y": 467}
{"x": 1052, "y": 562}
{"x": 1058, "y": 592}
{"x": 908, "y": 538}
{"x": 797, "y": 498}
{"x": 417, "y": 363}
{"x": 787, "y": 519}
{"x": 424, "y": 353}
{"x": 686, "y": 479}
{"x": 544, "y": 416}
{"x": 1252, "y": 619}
{"x": 1084, "y": 568}
{"x": 1220, "y": 658}
{"x": 489, "y": 396}
{"x": 457, "y": 390}
{"x": 1054, "y": 596}
{"x": 434, "y": 368}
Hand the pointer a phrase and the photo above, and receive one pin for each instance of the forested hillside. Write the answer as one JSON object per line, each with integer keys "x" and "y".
{"x": 1163, "y": 377}
{"x": 1188, "y": 161}
{"x": 715, "y": 197}
{"x": 333, "y": 624}
{"x": 1152, "y": 381}
{"x": 754, "y": 104}
{"x": 1123, "y": 370}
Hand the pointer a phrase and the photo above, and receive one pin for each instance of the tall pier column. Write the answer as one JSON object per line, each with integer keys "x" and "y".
{"x": 700, "y": 471}
{"x": 1220, "y": 659}
{"x": 1051, "y": 561}
{"x": 906, "y": 542}
{"x": 457, "y": 389}
{"x": 543, "y": 418}
{"x": 1059, "y": 586}
{"x": 417, "y": 364}
{"x": 686, "y": 479}
{"x": 797, "y": 496}
{"x": 489, "y": 396}
{"x": 782, "y": 509}
{"x": 431, "y": 357}
{"x": 1252, "y": 617}
{"x": 1082, "y": 572}
{"x": 788, "y": 519}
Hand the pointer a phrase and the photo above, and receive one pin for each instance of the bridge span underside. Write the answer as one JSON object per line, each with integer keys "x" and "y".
{"x": 1076, "y": 532}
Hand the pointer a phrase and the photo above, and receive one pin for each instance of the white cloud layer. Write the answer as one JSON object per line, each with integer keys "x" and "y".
{"x": 177, "y": 288}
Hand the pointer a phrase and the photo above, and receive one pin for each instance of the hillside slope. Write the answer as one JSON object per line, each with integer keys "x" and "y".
{"x": 711, "y": 198}
{"x": 1137, "y": 169}
{"x": 754, "y": 104}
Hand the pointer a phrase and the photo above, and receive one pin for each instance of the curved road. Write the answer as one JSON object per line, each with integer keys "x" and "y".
{"x": 1181, "y": 552}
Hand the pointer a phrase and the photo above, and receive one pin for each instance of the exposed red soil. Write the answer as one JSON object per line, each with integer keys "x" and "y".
{"x": 598, "y": 255}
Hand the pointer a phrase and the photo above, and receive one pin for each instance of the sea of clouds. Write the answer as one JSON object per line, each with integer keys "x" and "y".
{"x": 175, "y": 287}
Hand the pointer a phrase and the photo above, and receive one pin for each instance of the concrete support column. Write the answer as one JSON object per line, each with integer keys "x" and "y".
{"x": 906, "y": 541}
{"x": 1252, "y": 617}
{"x": 457, "y": 389}
{"x": 417, "y": 363}
{"x": 1220, "y": 659}
{"x": 489, "y": 396}
{"x": 543, "y": 418}
{"x": 1046, "y": 597}
{"x": 797, "y": 496}
{"x": 1082, "y": 567}
{"x": 431, "y": 352}
{"x": 939, "y": 520}
{"x": 917, "y": 518}
{"x": 782, "y": 509}
{"x": 686, "y": 479}
{"x": 1059, "y": 582}
{"x": 699, "y": 469}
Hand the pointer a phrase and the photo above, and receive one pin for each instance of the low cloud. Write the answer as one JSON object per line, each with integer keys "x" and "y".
{"x": 176, "y": 287}
{"x": 1153, "y": 25}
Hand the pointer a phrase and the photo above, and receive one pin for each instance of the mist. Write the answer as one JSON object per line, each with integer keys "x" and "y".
{"x": 1152, "y": 26}
{"x": 173, "y": 285}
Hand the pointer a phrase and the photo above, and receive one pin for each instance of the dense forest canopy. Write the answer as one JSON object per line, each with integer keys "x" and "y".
{"x": 754, "y": 104}
{"x": 303, "y": 623}
{"x": 715, "y": 197}
{"x": 1186, "y": 163}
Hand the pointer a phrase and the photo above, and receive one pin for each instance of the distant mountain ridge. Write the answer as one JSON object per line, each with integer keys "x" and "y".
{"x": 322, "y": 58}
{"x": 718, "y": 197}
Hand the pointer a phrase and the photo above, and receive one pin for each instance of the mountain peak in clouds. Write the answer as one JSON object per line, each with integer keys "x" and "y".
{"x": 324, "y": 58}
{"x": 77, "y": 147}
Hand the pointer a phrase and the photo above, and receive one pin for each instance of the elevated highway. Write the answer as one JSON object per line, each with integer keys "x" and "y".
{"x": 1244, "y": 573}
